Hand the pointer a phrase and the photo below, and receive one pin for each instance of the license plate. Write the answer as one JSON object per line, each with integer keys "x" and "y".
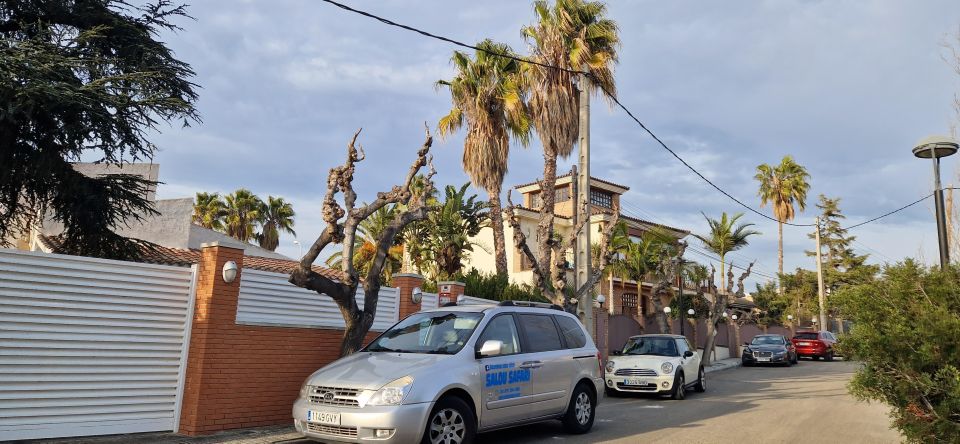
{"x": 323, "y": 417}
{"x": 763, "y": 359}
{"x": 803, "y": 343}
{"x": 635, "y": 382}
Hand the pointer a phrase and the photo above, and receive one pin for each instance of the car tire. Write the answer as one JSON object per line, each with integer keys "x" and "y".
{"x": 796, "y": 359}
{"x": 815, "y": 357}
{"x": 744, "y": 363}
{"x": 829, "y": 356}
{"x": 678, "y": 392}
{"x": 701, "y": 382}
{"x": 450, "y": 421}
{"x": 581, "y": 411}
{"x": 612, "y": 393}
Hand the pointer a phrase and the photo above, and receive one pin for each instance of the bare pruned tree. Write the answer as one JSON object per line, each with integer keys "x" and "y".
{"x": 666, "y": 272}
{"x": 721, "y": 300}
{"x": 550, "y": 268}
{"x": 341, "y": 228}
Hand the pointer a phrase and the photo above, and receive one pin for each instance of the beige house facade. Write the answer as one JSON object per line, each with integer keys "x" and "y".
{"x": 624, "y": 296}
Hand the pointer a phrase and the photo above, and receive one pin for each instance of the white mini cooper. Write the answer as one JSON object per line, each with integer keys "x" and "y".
{"x": 662, "y": 364}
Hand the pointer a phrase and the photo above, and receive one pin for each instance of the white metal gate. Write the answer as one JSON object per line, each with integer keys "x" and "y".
{"x": 90, "y": 346}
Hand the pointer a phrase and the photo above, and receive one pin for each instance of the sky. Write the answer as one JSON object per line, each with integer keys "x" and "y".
{"x": 845, "y": 87}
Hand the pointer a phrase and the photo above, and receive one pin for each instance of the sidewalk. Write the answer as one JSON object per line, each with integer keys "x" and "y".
{"x": 722, "y": 364}
{"x": 260, "y": 435}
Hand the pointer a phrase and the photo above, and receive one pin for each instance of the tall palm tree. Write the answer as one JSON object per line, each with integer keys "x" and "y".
{"x": 726, "y": 236}
{"x": 487, "y": 93}
{"x": 244, "y": 210}
{"x": 277, "y": 216}
{"x": 576, "y": 35}
{"x": 782, "y": 186}
{"x": 209, "y": 211}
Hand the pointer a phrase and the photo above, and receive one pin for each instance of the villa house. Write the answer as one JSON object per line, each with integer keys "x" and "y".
{"x": 623, "y": 296}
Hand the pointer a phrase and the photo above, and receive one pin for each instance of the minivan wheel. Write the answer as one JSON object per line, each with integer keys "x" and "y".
{"x": 829, "y": 356}
{"x": 701, "y": 382}
{"x": 451, "y": 422}
{"x": 679, "y": 391}
{"x": 581, "y": 411}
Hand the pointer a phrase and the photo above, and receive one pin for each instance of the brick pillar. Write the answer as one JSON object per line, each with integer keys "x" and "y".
{"x": 215, "y": 309}
{"x": 406, "y": 282}
{"x": 450, "y": 290}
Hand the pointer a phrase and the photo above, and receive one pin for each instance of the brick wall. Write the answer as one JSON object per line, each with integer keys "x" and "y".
{"x": 240, "y": 375}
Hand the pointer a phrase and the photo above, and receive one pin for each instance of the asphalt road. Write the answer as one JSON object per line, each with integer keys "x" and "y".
{"x": 805, "y": 403}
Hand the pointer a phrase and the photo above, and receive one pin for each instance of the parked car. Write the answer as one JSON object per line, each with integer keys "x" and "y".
{"x": 663, "y": 364}
{"x": 769, "y": 349}
{"x": 443, "y": 375}
{"x": 815, "y": 344}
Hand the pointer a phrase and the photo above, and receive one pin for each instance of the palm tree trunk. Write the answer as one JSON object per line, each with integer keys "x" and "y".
{"x": 723, "y": 275}
{"x": 496, "y": 222}
{"x": 780, "y": 255}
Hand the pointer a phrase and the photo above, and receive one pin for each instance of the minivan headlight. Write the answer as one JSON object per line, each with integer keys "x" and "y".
{"x": 392, "y": 393}
{"x": 667, "y": 368}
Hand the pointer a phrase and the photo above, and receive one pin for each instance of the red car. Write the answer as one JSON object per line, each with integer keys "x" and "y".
{"x": 815, "y": 344}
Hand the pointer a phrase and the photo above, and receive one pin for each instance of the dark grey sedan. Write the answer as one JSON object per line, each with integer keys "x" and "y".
{"x": 769, "y": 349}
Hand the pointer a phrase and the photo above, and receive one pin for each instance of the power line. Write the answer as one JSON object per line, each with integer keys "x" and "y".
{"x": 612, "y": 97}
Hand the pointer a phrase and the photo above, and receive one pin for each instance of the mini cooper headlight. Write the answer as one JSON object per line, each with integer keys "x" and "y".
{"x": 667, "y": 368}
{"x": 747, "y": 351}
{"x": 392, "y": 393}
{"x": 611, "y": 365}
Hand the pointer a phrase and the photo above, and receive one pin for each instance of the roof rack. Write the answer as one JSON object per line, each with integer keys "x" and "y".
{"x": 529, "y": 304}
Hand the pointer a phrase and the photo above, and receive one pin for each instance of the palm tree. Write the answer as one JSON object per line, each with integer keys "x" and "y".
{"x": 726, "y": 236}
{"x": 618, "y": 244}
{"x": 781, "y": 186}
{"x": 209, "y": 211}
{"x": 365, "y": 245}
{"x": 487, "y": 92}
{"x": 440, "y": 244}
{"x": 572, "y": 34}
{"x": 244, "y": 210}
{"x": 277, "y": 216}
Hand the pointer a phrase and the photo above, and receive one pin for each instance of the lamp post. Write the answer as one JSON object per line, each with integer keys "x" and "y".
{"x": 935, "y": 147}
{"x": 790, "y": 320}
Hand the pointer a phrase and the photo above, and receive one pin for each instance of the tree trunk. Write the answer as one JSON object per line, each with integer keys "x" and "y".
{"x": 780, "y": 257}
{"x": 496, "y": 223}
{"x": 545, "y": 225}
{"x": 735, "y": 347}
{"x": 708, "y": 346}
{"x": 661, "y": 317}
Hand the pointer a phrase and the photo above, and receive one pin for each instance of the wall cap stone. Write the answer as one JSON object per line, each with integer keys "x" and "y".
{"x": 409, "y": 275}
{"x": 452, "y": 283}
{"x": 218, "y": 244}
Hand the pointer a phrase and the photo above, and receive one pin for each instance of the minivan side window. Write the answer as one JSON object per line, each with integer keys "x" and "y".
{"x": 571, "y": 331}
{"x": 504, "y": 329}
{"x": 541, "y": 333}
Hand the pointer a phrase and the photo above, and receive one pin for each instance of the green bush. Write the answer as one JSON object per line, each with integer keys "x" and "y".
{"x": 492, "y": 286}
{"x": 907, "y": 336}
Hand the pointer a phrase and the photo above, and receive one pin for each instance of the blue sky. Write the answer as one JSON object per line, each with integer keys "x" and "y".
{"x": 846, "y": 87}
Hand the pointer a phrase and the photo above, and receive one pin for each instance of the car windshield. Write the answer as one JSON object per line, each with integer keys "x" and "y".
{"x": 651, "y": 346}
{"x": 767, "y": 340}
{"x": 430, "y": 332}
{"x": 810, "y": 335}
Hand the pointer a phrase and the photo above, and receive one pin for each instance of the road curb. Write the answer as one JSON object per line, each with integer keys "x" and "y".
{"x": 724, "y": 366}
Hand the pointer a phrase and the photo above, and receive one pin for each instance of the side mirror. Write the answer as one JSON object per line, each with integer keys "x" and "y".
{"x": 490, "y": 348}
{"x": 687, "y": 354}
{"x": 746, "y": 344}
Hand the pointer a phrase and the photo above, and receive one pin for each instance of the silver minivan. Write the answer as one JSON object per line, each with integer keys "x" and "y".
{"x": 441, "y": 376}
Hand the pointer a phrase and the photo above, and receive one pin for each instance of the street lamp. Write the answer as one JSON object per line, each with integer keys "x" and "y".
{"x": 691, "y": 312}
{"x": 666, "y": 310}
{"x": 935, "y": 147}
{"x": 734, "y": 317}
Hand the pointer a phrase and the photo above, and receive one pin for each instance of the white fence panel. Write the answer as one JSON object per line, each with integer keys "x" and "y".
{"x": 269, "y": 299}
{"x": 429, "y": 301}
{"x": 90, "y": 346}
{"x": 470, "y": 300}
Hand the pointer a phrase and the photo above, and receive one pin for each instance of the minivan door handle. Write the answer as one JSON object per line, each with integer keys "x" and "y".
{"x": 531, "y": 364}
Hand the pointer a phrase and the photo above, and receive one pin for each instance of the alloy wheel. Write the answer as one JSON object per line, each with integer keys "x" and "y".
{"x": 583, "y": 408}
{"x": 447, "y": 427}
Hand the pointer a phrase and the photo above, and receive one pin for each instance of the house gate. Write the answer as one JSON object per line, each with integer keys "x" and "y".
{"x": 621, "y": 328}
{"x": 90, "y": 346}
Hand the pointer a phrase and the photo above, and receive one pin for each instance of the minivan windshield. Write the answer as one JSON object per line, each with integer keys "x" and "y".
{"x": 767, "y": 340}
{"x": 657, "y": 346}
{"x": 436, "y": 332}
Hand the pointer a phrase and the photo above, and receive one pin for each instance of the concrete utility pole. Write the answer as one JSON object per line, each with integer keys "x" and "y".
{"x": 823, "y": 310}
{"x": 582, "y": 263}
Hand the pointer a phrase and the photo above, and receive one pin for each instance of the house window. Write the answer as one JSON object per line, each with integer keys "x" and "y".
{"x": 628, "y": 303}
{"x": 601, "y": 198}
{"x": 561, "y": 194}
